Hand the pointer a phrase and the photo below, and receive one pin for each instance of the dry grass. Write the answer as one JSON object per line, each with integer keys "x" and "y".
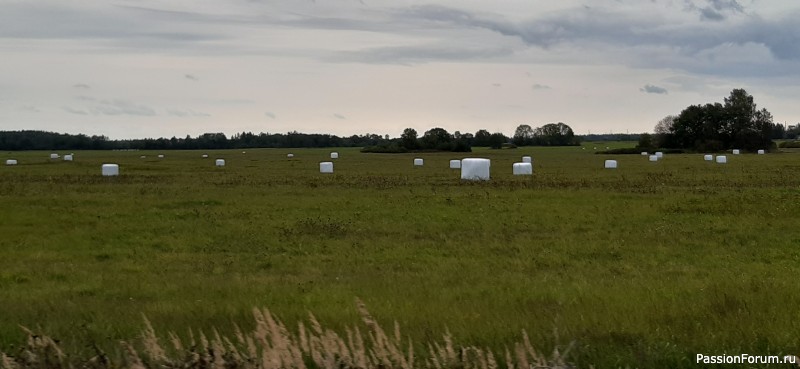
{"x": 271, "y": 345}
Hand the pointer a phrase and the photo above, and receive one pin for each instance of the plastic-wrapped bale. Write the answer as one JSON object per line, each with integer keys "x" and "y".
{"x": 289, "y": 156}
{"x": 659, "y": 154}
{"x": 762, "y": 152}
{"x": 161, "y": 156}
{"x": 11, "y": 162}
{"x": 455, "y": 164}
{"x": 523, "y": 169}
{"x": 708, "y": 157}
{"x": 205, "y": 156}
{"x": 418, "y": 162}
{"x": 475, "y": 169}
{"x": 54, "y": 156}
{"x": 611, "y": 164}
{"x": 527, "y": 159}
{"x": 334, "y": 155}
{"x": 736, "y": 152}
{"x": 645, "y": 153}
{"x": 653, "y": 157}
{"x": 220, "y": 162}
{"x": 68, "y": 157}
{"x": 110, "y": 170}
{"x": 722, "y": 159}
{"x": 143, "y": 157}
{"x": 326, "y": 167}
{"x": 244, "y": 152}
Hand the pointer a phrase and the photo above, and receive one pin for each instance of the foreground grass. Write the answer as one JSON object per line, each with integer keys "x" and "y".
{"x": 273, "y": 345}
{"x": 645, "y": 266}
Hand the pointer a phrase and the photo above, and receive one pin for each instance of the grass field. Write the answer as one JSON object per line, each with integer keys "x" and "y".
{"x": 643, "y": 266}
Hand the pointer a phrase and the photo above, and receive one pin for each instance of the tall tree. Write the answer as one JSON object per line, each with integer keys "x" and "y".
{"x": 409, "y": 139}
{"x": 523, "y": 135}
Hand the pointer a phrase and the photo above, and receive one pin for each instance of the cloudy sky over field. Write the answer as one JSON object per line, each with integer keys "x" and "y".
{"x": 147, "y": 68}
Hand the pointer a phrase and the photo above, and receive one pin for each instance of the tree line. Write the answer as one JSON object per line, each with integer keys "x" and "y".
{"x": 435, "y": 139}
{"x": 736, "y": 123}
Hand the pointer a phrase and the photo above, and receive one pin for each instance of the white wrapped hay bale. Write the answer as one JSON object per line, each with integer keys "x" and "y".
{"x": 205, "y": 156}
{"x": 289, "y": 156}
{"x": 527, "y": 159}
{"x": 708, "y": 157}
{"x": 334, "y": 155}
{"x": 523, "y": 169}
{"x": 475, "y": 169}
{"x": 418, "y": 162}
{"x": 143, "y": 157}
{"x": 326, "y": 167}
{"x": 659, "y": 154}
{"x": 161, "y": 156}
{"x": 455, "y": 164}
{"x": 110, "y": 170}
{"x": 645, "y": 153}
{"x": 654, "y": 158}
{"x": 762, "y": 152}
{"x": 736, "y": 151}
{"x": 11, "y": 162}
{"x": 68, "y": 157}
{"x": 53, "y": 156}
{"x": 611, "y": 164}
{"x": 244, "y": 152}
{"x": 220, "y": 162}
{"x": 722, "y": 159}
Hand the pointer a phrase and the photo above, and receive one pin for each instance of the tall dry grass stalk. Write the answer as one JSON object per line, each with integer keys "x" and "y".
{"x": 271, "y": 345}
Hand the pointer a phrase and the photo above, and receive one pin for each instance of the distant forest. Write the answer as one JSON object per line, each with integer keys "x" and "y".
{"x": 433, "y": 139}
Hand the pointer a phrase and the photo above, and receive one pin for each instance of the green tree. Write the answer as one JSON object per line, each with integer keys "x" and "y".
{"x": 735, "y": 124}
{"x": 482, "y": 138}
{"x": 437, "y": 139}
{"x": 409, "y": 139}
{"x": 523, "y": 135}
{"x": 554, "y": 134}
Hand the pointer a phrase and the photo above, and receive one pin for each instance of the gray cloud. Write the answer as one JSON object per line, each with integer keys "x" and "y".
{"x": 116, "y": 107}
{"x": 339, "y": 116}
{"x": 731, "y": 5}
{"x": 408, "y": 55}
{"x": 537, "y": 86}
{"x": 711, "y": 14}
{"x": 30, "y": 108}
{"x": 84, "y": 21}
{"x": 270, "y": 115}
{"x": 651, "y": 89}
{"x": 186, "y": 113}
{"x": 497, "y": 84}
{"x": 81, "y": 86}
{"x": 122, "y": 107}
{"x": 190, "y": 77}
{"x": 75, "y": 111}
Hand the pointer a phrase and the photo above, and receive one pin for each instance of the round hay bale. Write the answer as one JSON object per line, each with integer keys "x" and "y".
{"x": 522, "y": 169}
{"x": 110, "y": 170}
{"x": 475, "y": 169}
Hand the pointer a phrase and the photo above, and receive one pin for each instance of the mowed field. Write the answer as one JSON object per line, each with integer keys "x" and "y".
{"x": 643, "y": 266}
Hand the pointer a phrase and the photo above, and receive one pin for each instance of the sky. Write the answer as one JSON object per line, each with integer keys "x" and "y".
{"x": 157, "y": 68}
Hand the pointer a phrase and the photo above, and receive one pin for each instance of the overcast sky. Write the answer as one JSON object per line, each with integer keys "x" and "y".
{"x": 152, "y": 68}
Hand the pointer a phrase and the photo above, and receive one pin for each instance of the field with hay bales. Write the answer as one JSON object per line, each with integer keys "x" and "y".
{"x": 645, "y": 265}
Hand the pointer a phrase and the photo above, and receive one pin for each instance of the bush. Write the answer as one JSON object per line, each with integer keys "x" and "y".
{"x": 391, "y": 148}
{"x": 789, "y": 145}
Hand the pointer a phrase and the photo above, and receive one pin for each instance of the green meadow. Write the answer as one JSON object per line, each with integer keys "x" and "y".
{"x": 643, "y": 266}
